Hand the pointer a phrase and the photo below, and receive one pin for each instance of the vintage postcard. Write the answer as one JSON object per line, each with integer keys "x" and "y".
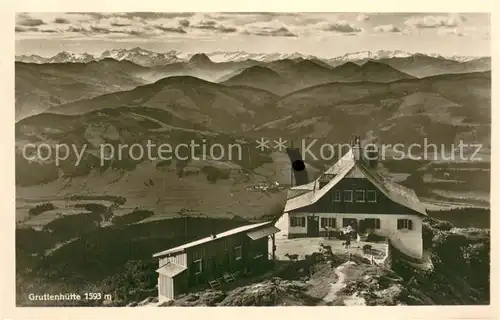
{"x": 248, "y": 159}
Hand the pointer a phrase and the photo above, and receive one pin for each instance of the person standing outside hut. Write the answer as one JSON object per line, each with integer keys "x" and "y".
{"x": 353, "y": 228}
{"x": 327, "y": 232}
{"x": 347, "y": 240}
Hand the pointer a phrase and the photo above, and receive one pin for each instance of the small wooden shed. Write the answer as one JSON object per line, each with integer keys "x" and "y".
{"x": 171, "y": 279}
{"x": 210, "y": 259}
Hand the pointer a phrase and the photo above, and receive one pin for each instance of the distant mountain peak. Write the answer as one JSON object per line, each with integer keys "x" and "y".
{"x": 181, "y": 80}
{"x": 311, "y": 65}
{"x": 140, "y": 50}
{"x": 200, "y": 58}
{"x": 350, "y": 65}
{"x": 255, "y": 72}
{"x": 71, "y": 57}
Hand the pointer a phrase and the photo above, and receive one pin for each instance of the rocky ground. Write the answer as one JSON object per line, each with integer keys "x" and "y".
{"x": 336, "y": 280}
{"x": 460, "y": 276}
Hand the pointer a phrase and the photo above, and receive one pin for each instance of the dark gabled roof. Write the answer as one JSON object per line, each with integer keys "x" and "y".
{"x": 394, "y": 191}
{"x": 227, "y": 233}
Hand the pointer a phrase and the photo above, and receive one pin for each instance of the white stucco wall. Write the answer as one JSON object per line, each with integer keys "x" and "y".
{"x": 408, "y": 241}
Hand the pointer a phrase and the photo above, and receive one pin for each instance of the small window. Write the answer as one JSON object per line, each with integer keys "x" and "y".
{"x": 328, "y": 223}
{"x": 371, "y": 196}
{"x": 360, "y": 196}
{"x": 347, "y": 195}
{"x": 405, "y": 224}
{"x": 337, "y": 196}
{"x": 197, "y": 266}
{"x": 237, "y": 253}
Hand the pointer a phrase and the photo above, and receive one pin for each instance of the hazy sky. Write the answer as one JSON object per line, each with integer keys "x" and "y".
{"x": 321, "y": 34}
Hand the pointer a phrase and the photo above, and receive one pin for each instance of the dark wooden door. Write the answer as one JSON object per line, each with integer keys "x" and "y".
{"x": 312, "y": 226}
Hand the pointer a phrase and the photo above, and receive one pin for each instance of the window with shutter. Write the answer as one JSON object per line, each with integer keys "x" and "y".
{"x": 332, "y": 223}
{"x": 377, "y": 223}
{"x": 405, "y": 224}
{"x": 328, "y": 222}
{"x": 297, "y": 221}
{"x": 303, "y": 222}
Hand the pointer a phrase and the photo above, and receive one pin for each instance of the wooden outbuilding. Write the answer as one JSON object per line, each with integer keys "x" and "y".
{"x": 215, "y": 259}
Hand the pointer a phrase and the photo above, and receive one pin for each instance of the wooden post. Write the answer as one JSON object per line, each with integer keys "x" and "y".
{"x": 274, "y": 246}
{"x": 291, "y": 168}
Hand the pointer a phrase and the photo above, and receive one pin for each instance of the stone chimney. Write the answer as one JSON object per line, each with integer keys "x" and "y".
{"x": 356, "y": 147}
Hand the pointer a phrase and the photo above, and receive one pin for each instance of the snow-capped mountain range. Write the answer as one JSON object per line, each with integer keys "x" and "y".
{"x": 387, "y": 54}
{"x": 150, "y": 58}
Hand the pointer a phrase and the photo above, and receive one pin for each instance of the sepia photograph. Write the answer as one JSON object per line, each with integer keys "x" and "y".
{"x": 247, "y": 159}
